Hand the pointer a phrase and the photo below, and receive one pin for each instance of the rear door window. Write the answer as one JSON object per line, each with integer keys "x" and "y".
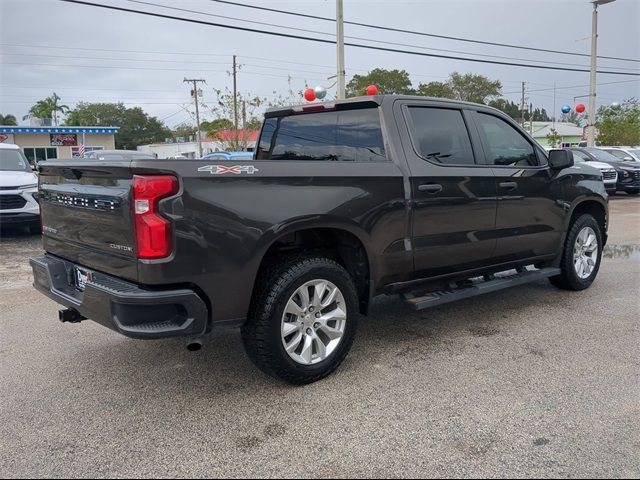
{"x": 440, "y": 135}
{"x": 341, "y": 136}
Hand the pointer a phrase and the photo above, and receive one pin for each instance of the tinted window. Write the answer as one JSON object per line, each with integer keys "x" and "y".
{"x": 440, "y": 135}
{"x": 505, "y": 145}
{"x": 348, "y": 136}
{"x": 580, "y": 157}
{"x": 602, "y": 155}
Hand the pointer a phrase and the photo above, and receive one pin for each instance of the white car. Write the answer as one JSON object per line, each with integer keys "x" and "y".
{"x": 609, "y": 174}
{"x": 628, "y": 154}
{"x": 18, "y": 189}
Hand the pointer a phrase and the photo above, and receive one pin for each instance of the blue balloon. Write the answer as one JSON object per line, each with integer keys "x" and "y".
{"x": 566, "y": 108}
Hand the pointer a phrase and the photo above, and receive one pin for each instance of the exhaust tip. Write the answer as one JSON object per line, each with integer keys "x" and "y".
{"x": 194, "y": 345}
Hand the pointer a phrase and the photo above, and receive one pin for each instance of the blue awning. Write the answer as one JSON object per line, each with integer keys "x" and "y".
{"x": 91, "y": 130}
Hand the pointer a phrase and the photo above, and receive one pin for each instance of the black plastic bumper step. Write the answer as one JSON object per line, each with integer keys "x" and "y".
{"x": 478, "y": 286}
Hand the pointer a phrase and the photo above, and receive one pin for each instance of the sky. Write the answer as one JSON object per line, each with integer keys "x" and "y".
{"x": 91, "y": 54}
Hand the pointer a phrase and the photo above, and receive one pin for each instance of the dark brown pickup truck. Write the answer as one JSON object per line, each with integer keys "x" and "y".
{"x": 436, "y": 200}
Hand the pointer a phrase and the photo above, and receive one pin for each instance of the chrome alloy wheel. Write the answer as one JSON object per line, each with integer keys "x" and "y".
{"x": 585, "y": 253}
{"x": 313, "y": 322}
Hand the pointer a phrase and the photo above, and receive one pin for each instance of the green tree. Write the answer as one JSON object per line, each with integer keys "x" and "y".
{"x": 387, "y": 81}
{"x": 553, "y": 138}
{"x": 224, "y": 112}
{"x": 49, "y": 108}
{"x": 211, "y": 127}
{"x": 436, "y": 89}
{"x": 507, "y": 106}
{"x": 474, "y": 88}
{"x": 8, "y": 120}
{"x": 619, "y": 125}
{"x": 136, "y": 127}
{"x": 467, "y": 87}
{"x": 185, "y": 130}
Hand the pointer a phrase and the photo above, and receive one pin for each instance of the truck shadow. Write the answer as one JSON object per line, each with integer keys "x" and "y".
{"x": 392, "y": 337}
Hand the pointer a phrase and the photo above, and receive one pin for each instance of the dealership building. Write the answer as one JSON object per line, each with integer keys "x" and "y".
{"x": 45, "y": 143}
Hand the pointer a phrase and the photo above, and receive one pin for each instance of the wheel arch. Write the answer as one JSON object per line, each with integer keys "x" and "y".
{"x": 343, "y": 243}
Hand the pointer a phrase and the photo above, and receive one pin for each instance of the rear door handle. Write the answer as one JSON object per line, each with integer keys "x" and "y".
{"x": 508, "y": 185}
{"x": 430, "y": 187}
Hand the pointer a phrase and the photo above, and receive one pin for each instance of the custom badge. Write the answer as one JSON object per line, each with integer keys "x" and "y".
{"x": 222, "y": 169}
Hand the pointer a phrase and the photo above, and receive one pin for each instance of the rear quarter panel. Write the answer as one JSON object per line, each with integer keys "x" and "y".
{"x": 224, "y": 223}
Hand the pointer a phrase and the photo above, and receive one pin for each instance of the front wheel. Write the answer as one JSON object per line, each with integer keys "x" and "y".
{"x": 581, "y": 256}
{"x": 302, "y": 320}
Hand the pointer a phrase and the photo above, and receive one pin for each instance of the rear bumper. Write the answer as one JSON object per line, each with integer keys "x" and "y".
{"x": 119, "y": 305}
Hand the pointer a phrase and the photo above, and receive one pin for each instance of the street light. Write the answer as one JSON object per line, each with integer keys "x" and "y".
{"x": 591, "y": 128}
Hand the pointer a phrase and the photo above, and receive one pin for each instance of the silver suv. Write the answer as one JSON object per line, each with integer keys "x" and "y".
{"x": 18, "y": 189}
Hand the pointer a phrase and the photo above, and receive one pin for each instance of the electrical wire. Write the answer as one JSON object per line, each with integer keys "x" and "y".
{"x": 413, "y": 32}
{"x": 319, "y": 40}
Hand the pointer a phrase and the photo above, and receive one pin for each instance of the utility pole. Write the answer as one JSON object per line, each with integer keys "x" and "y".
{"x": 195, "y": 82}
{"x": 340, "y": 47}
{"x": 554, "y": 106}
{"x": 531, "y": 118}
{"x": 522, "y": 107}
{"x": 591, "y": 134}
{"x": 235, "y": 100}
{"x": 244, "y": 124}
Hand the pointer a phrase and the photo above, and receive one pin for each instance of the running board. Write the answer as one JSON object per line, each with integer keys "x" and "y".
{"x": 478, "y": 286}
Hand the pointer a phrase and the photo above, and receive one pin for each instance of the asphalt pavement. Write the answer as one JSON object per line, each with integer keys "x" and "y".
{"x": 528, "y": 382}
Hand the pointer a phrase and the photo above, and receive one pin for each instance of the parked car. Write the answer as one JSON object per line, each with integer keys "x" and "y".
{"x": 609, "y": 174}
{"x": 229, "y": 156}
{"x": 118, "y": 155}
{"x": 436, "y": 199}
{"x": 18, "y": 189}
{"x": 628, "y": 172}
{"x": 631, "y": 154}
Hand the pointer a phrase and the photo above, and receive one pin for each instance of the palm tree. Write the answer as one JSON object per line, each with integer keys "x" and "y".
{"x": 49, "y": 108}
{"x": 8, "y": 120}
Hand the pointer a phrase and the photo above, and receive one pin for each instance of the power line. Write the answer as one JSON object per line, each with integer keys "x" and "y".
{"x": 386, "y": 42}
{"x": 413, "y": 32}
{"x": 319, "y": 40}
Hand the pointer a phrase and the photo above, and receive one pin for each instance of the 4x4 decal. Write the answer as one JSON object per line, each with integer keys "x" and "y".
{"x": 236, "y": 169}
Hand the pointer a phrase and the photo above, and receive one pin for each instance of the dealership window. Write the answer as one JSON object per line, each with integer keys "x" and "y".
{"x": 40, "y": 153}
{"x": 75, "y": 151}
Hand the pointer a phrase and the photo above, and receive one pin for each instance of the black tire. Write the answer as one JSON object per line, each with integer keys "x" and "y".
{"x": 261, "y": 334}
{"x": 569, "y": 279}
{"x": 35, "y": 229}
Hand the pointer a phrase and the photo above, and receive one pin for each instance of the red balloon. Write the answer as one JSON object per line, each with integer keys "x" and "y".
{"x": 580, "y": 108}
{"x": 309, "y": 95}
{"x": 372, "y": 90}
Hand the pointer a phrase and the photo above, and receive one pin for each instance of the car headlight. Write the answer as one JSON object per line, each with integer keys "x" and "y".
{"x": 626, "y": 173}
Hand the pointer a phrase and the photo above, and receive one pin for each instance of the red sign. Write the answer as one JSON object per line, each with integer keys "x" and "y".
{"x": 3, "y": 138}
{"x": 64, "y": 140}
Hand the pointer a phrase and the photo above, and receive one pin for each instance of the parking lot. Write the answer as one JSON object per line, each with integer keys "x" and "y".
{"x": 526, "y": 382}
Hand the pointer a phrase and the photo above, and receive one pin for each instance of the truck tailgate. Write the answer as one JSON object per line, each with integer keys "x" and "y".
{"x": 87, "y": 216}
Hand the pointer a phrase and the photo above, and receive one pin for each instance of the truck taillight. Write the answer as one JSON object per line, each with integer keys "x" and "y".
{"x": 153, "y": 232}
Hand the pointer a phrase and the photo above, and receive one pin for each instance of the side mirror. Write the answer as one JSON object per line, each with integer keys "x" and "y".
{"x": 559, "y": 159}
{"x": 628, "y": 159}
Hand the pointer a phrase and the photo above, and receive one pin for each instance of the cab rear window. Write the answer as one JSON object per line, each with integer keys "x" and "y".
{"x": 342, "y": 136}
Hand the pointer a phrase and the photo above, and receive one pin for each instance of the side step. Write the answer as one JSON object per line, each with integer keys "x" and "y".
{"x": 478, "y": 286}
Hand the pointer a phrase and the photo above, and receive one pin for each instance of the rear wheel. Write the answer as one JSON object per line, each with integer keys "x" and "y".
{"x": 302, "y": 320}
{"x": 581, "y": 256}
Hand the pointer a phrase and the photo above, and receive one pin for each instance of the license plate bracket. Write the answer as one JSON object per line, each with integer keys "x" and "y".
{"x": 81, "y": 277}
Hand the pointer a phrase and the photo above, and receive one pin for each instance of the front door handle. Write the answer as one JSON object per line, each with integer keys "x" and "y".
{"x": 508, "y": 185}
{"x": 430, "y": 187}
